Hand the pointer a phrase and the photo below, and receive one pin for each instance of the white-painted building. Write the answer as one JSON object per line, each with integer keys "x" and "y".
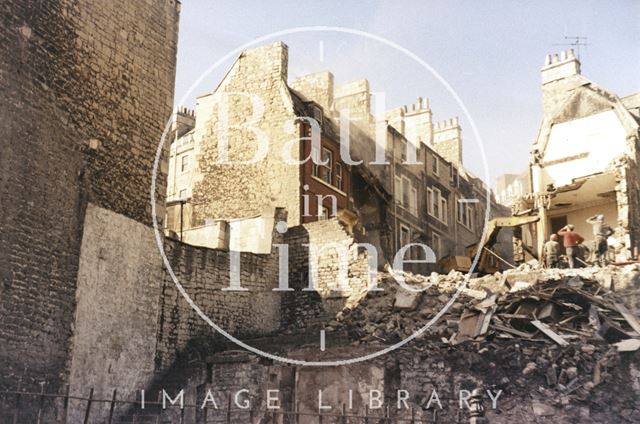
{"x": 584, "y": 160}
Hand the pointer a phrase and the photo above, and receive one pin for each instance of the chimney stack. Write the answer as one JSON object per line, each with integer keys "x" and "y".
{"x": 557, "y": 67}
{"x": 560, "y": 74}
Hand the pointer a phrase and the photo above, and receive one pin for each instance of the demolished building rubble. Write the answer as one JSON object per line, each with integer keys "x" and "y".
{"x": 564, "y": 331}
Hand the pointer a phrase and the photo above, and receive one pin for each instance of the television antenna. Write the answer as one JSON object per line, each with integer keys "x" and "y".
{"x": 575, "y": 41}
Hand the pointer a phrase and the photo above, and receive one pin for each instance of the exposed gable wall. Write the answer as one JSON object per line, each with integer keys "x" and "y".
{"x": 582, "y": 103}
{"x": 258, "y": 103}
{"x": 581, "y": 147}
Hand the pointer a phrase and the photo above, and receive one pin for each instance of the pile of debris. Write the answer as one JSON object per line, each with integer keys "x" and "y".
{"x": 556, "y": 306}
{"x": 555, "y": 337}
{"x": 560, "y": 311}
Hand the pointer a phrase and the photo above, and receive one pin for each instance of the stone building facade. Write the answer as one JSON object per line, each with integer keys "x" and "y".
{"x": 452, "y": 202}
{"x": 429, "y": 197}
{"x": 584, "y": 160}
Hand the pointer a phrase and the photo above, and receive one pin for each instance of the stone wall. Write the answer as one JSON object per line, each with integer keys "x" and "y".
{"x": 302, "y": 309}
{"x": 432, "y": 380}
{"x": 259, "y": 72}
{"x": 87, "y": 89}
{"x": 119, "y": 280}
{"x": 628, "y": 200}
{"x": 447, "y": 140}
{"x": 318, "y": 87}
{"x": 204, "y": 273}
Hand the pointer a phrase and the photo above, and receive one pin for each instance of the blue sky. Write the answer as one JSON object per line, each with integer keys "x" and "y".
{"x": 490, "y": 52}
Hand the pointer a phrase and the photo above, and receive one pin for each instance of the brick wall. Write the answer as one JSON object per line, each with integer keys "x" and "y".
{"x": 87, "y": 88}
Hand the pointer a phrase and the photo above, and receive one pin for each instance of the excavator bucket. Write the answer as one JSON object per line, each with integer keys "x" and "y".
{"x": 463, "y": 263}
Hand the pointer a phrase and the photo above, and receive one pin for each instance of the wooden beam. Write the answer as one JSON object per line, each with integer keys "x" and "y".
{"x": 628, "y": 316}
{"x": 550, "y": 333}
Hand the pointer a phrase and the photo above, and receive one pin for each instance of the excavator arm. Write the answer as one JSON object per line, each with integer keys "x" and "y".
{"x": 488, "y": 239}
{"x": 496, "y": 224}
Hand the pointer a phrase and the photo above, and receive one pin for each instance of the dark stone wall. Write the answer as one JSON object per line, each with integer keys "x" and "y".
{"x": 204, "y": 273}
{"x": 87, "y": 88}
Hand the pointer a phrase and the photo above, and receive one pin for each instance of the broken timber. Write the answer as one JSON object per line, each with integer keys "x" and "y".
{"x": 550, "y": 333}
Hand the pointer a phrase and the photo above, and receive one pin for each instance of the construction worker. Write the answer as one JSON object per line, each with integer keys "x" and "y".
{"x": 552, "y": 252}
{"x": 601, "y": 232}
{"x": 518, "y": 251}
{"x": 571, "y": 241}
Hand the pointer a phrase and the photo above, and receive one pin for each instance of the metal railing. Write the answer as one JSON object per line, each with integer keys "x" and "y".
{"x": 32, "y": 407}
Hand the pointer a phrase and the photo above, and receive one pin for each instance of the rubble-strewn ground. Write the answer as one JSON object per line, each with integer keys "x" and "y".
{"x": 553, "y": 336}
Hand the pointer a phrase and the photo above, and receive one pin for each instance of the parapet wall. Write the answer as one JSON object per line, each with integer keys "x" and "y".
{"x": 447, "y": 140}
{"x": 205, "y": 274}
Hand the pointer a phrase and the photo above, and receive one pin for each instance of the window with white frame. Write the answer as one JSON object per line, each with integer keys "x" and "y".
{"x": 397, "y": 189}
{"x": 437, "y": 205}
{"x": 465, "y": 214}
{"x": 418, "y": 253}
{"x": 444, "y": 210}
{"x": 406, "y": 184}
{"x": 315, "y": 156}
{"x": 405, "y": 236}
{"x": 184, "y": 164}
{"x": 434, "y": 164}
{"x": 326, "y": 173}
{"x": 413, "y": 201}
{"x": 403, "y": 150}
{"x": 339, "y": 176}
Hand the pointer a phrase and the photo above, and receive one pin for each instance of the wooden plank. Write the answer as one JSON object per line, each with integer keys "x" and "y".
{"x": 512, "y": 331}
{"x": 549, "y": 333}
{"x": 628, "y": 316}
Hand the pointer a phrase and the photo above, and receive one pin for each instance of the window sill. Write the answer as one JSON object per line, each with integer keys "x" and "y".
{"x": 464, "y": 226}
{"x": 404, "y": 208}
{"x": 438, "y": 219}
{"x": 332, "y": 187}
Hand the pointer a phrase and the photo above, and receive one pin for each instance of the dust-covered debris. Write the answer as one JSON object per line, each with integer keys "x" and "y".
{"x": 562, "y": 329}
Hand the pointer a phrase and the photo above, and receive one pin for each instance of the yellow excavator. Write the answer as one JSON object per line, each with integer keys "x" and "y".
{"x": 487, "y": 263}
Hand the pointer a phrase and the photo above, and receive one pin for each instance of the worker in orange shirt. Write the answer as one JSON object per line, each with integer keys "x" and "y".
{"x": 571, "y": 241}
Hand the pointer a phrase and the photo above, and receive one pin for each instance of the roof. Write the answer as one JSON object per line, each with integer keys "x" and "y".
{"x": 632, "y": 104}
{"x": 631, "y": 101}
{"x": 304, "y": 107}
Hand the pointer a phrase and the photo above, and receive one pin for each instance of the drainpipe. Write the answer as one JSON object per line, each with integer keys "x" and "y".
{"x": 182, "y": 201}
{"x": 393, "y": 187}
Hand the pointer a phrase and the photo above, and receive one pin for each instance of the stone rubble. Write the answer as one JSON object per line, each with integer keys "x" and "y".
{"x": 586, "y": 333}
